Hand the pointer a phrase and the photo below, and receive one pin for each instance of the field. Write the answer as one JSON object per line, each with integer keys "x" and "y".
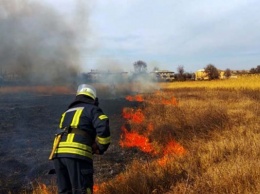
{"x": 180, "y": 137}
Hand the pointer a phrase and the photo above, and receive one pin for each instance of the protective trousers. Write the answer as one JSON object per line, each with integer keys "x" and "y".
{"x": 74, "y": 176}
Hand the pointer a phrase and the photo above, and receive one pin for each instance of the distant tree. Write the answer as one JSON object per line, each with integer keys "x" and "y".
{"x": 252, "y": 70}
{"x": 140, "y": 67}
{"x": 180, "y": 70}
{"x": 255, "y": 70}
{"x": 227, "y": 73}
{"x": 189, "y": 76}
{"x": 181, "y": 75}
{"x": 212, "y": 71}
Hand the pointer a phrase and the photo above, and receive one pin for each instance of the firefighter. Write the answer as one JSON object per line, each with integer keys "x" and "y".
{"x": 84, "y": 131}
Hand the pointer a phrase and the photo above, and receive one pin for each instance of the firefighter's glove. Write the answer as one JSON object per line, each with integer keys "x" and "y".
{"x": 95, "y": 149}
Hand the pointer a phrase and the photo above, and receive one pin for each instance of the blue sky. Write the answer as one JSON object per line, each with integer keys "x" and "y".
{"x": 168, "y": 33}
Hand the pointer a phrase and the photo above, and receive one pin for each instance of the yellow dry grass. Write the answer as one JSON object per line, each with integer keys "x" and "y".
{"x": 217, "y": 122}
{"x": 241, "y": 82}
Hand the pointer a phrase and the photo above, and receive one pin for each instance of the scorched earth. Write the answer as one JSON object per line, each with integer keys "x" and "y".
{"x": 27, "y": 126}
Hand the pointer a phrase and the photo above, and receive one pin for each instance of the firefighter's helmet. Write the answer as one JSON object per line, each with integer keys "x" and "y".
{"x": 88, "y": 90}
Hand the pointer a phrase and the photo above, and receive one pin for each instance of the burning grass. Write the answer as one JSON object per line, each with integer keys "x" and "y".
{"x": 200, "y": 140}
{"x": 207, "y": 141}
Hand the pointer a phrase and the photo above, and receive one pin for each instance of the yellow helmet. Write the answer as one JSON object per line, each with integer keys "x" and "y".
{"x": 88, "y": 90}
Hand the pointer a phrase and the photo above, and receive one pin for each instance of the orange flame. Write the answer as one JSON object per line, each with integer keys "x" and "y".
{"x": 135, "y": 116}
{"x": 142, "y": 142}
{"x": 95, "y": 188}
{"x": 127, "y": 113}
{"x": 138, "y": 116}
{"x": 172, "y": 148}
{"x": 43, "y": 188}
{"x": 129, "y": 98}
{"x": 162, "y": 98}
{"x": 164, "y": 101}
{"x": 171, "y": 101}
{"x": 133, "y": 139}
{"x": 138, "y": 98}
{"x": 163, "y": 161}
{"x": 150, "y": 127}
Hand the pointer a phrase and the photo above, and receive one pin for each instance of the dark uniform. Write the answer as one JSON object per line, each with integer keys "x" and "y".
{"x": 87, "y": 133}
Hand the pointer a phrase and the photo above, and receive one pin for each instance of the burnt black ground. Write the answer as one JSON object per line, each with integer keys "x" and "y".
{"x": 27, "y": 128}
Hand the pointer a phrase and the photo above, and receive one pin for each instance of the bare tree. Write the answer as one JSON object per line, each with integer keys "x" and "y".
{"x": 181, "y": 75}
{"x": 140, "y": 67}
{"x": 180, "y": 70}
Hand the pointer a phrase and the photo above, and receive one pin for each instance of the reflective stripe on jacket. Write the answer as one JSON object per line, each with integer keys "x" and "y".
{"x": 93, "y": 121}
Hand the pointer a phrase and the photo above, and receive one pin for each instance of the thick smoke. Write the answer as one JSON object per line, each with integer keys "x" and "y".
{"x": 37, "y": 45}
{"x": 111, "y": 81}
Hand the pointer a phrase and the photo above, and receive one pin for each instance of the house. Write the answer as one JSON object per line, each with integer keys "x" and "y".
{"x": 163, "y": 75}
{"x": 201, "y": 74}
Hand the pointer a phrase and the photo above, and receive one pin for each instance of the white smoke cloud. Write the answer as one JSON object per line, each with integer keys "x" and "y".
{"x": 38, "y": 44}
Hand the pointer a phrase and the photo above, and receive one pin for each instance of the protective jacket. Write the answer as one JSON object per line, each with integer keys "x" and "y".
{"x": 85, "y": 116}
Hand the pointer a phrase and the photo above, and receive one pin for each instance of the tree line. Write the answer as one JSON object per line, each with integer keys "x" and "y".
{"x": 212, "y": 72}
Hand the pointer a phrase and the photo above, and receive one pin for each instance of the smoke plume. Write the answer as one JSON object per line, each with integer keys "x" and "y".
{"x": 38, "y": 45}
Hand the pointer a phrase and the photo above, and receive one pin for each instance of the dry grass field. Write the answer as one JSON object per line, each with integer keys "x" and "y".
{"x": 197, "y": 136}
{"x": 205, "y": 141}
